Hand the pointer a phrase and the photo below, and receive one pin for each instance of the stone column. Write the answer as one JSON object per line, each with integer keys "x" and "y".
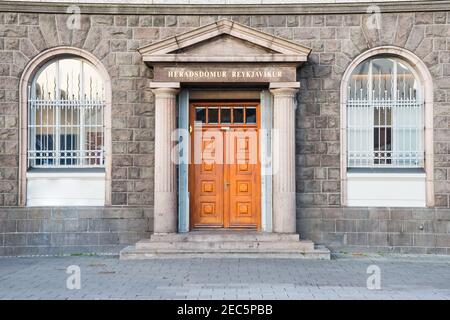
{"x": 165, "y": 201}
{"x": 283, "y": 155}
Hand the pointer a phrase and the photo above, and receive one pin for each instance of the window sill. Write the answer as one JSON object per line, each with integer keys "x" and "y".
{"x": 58, "y": 173}
{"x": 386, "y": 172}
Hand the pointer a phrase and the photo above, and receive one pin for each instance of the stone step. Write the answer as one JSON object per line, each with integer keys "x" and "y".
{"x": 228, "y": 243}
{"x": 272, "y": 246}
{"x": 224, "y": 236}
{"x": 132, "y": 253}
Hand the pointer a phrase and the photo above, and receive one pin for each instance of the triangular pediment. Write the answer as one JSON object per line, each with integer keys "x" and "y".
{"x": 224, "y": 41}
{"x": 224, "y": 45}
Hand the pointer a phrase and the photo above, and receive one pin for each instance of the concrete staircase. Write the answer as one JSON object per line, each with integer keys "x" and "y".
{"x": 249, "y": 244}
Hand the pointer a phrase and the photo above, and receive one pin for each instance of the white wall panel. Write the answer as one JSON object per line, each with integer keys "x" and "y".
{"x": 65, "y": 189}
{"x": 386, "y": 189}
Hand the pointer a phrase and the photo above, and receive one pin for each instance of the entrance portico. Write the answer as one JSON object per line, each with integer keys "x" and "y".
{"x": 229, "y": 58}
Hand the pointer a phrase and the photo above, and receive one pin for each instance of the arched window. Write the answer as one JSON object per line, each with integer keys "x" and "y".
{"x": 387, "y": 130}
{"x": 66, "y": 103}
{"x": 385, "y": 115}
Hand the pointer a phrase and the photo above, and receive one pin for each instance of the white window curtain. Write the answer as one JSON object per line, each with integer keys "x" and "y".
{"x": 360, "y": 134}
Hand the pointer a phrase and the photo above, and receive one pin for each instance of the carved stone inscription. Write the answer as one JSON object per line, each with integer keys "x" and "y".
{"x": 224, "y": 73}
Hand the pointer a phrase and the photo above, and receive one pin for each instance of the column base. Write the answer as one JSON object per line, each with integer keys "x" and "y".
{"x": 165, "y": 212}
{"x": 284, "y": 212}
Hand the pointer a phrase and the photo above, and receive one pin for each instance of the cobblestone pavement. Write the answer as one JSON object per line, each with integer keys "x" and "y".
{"x": 105, "y": 277}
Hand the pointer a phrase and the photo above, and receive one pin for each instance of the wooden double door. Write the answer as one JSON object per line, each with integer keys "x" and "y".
{"x": 224, "y": 173}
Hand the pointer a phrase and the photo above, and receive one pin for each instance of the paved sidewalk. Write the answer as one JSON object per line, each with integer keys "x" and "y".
{"x": 105, "y": 277}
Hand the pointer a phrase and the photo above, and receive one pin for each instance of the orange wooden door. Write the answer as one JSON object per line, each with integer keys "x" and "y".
{"x": 224, "y": 173}
{"x": 207, "y": 195}
{"x": 243, "y": 173}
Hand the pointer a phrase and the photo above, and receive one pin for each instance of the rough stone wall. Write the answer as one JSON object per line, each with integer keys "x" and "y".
{"x": 335, "y": 39}
{"x": 55, "y": 231}
{"x": 398, "y": 230}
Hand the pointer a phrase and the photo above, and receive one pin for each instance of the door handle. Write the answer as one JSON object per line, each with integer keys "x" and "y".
{"x": 226, "y": 185}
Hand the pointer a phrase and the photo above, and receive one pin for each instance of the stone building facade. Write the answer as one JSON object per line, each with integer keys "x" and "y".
{"x": 336, "y": 35}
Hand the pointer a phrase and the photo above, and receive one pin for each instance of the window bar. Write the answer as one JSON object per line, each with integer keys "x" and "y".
{"x": 101, "y": 155}
{"x": 358, "y": 139}
{"x": 385, "y": 131}
{"x": 81, "y": 139}
{"x": 48, "y": 131}
{"x": 350, "y": 136}
{"x": 95, "y": 148}
{"x": 383, "y": 126}
{"x": 355, "y": 131}
{"x": 30, "y": 130}
{"x": 74, "y": 129}
{"x": 370, "y": 121}
{"x": 88, "y": 132}
{"x": 93, "y": 131}
{"x": 81, "y": 114}
{"x": 64, "y": 150}
{"x": 368, "y": 109}
{"x": 43, "y": 148}
{"x": 47, "y": 135}
{"x": 394, "y": 97}
{"x": 407, "y": 101}
{"x": 42, "y": 136}
{"x": 55, "y": 148}
{"x": 410, "y": 121}
{"x": 72, "y": 132}
{"x": 415, "y": 127}
{"x": 34, "y": 132}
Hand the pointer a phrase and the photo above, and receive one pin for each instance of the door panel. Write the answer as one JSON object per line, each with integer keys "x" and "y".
{"x": 225, "y": 170}
{"x": 208, "y": 182}
{"x": 244, "y": 179}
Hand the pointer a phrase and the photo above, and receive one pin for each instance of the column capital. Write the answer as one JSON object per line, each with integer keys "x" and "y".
{"x": 164, "y": 89}
{"x": 284, "y": 92}
{"x": 165, "y": 92}
{"x": 284, "y": 88}
{"x": 157, "y": 85}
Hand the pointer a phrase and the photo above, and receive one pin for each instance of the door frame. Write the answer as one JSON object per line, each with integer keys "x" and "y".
{"x": 191, "y": 180}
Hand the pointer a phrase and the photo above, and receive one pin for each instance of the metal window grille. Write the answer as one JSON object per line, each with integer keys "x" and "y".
{"x": 385, "y": 125}
{"x": 65, "y": 130}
